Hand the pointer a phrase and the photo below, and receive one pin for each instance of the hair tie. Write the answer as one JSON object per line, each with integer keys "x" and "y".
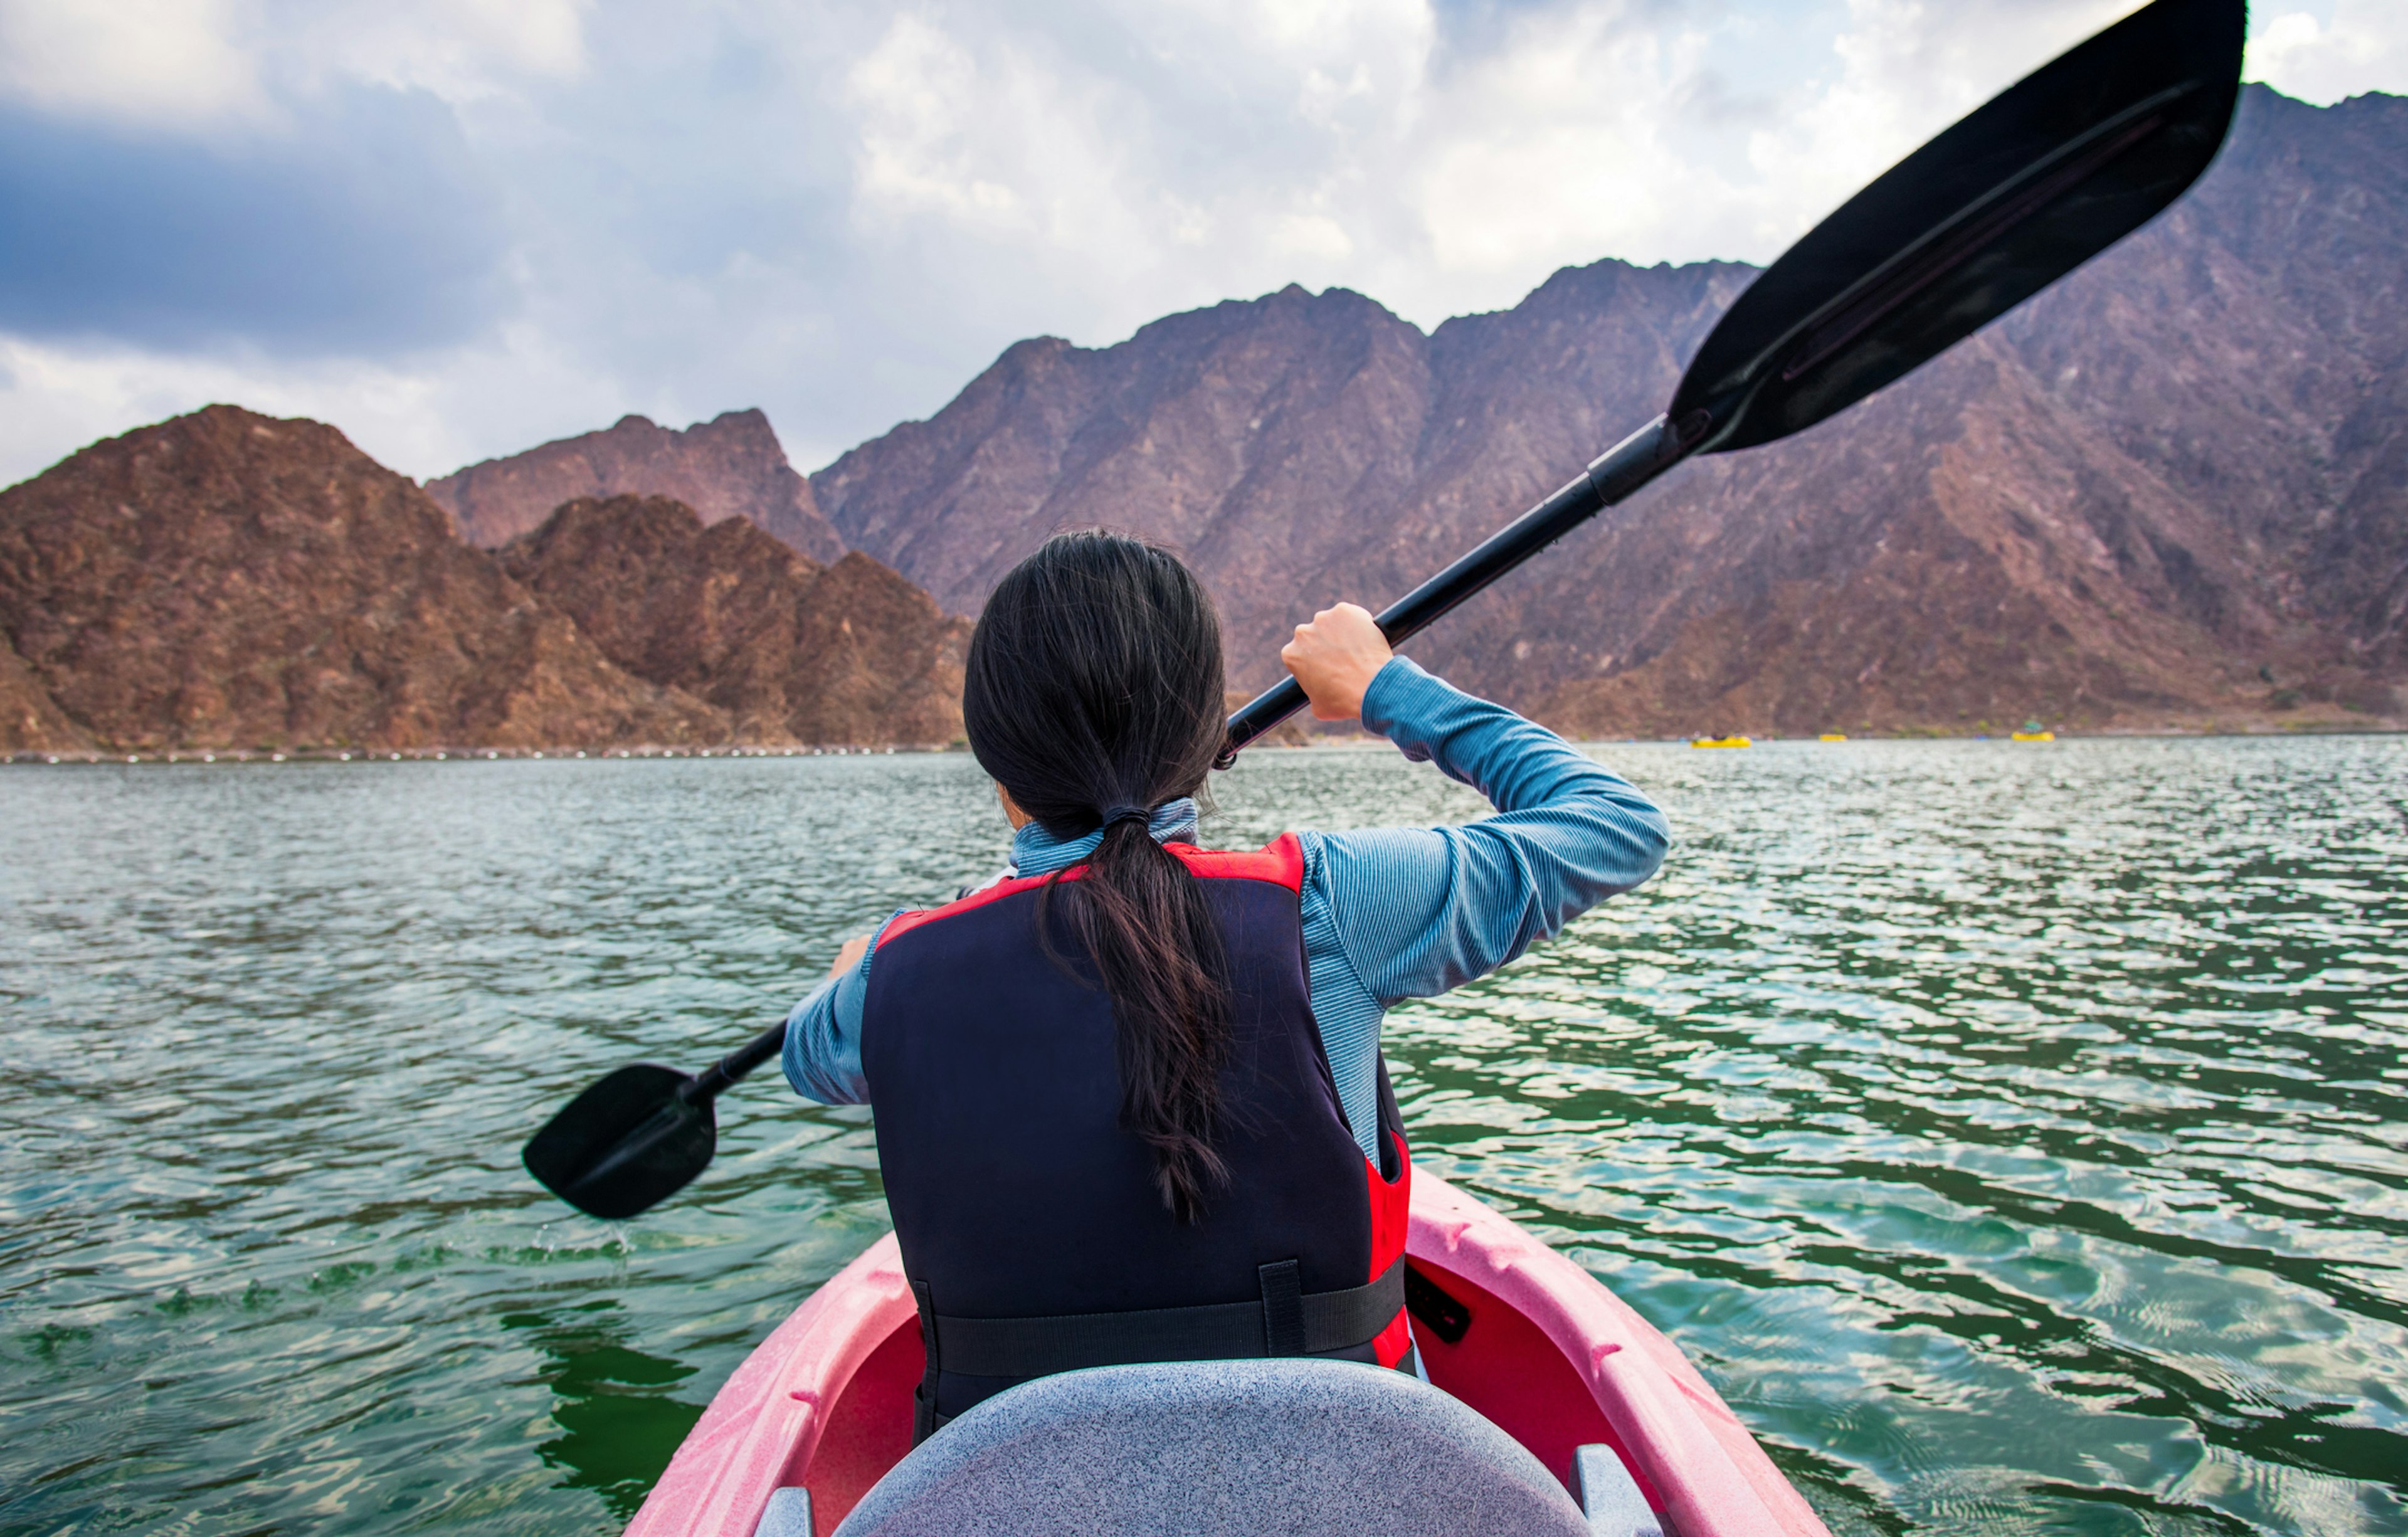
{"x": 1114, "y": 815}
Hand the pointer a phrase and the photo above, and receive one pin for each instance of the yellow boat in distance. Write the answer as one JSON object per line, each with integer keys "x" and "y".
{"x": 2034, "y": 731}
{"x": 1721, "y": 741}
{"x": 1832, "y": 736}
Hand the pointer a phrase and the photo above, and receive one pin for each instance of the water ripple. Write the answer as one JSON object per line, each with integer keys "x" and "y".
{"x": 2017, "y": 1137}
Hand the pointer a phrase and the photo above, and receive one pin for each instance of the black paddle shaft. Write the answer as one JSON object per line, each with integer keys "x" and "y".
{"x": 1610, "y": 477}
{"x": 2045, "y": 176}
{"x": 707, "y": 1083}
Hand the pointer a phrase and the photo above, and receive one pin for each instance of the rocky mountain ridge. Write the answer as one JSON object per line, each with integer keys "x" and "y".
{"x": 788, "y": 650}
{"x": 231, "y": 580}
{"x": 729, "y": 467}
{"x": 2169, "y": 491}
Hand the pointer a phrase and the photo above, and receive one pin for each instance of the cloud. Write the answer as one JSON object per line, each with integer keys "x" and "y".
{"x": 158, "y": 61}
{"x": 363, "y": 227}
{"x": 60, "y": 397}
{"x": 519, "y": 220}
{"x": 2361, "y": 46}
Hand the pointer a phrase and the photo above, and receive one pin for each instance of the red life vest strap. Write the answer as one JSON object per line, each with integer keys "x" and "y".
{"x": 1280, "y": 862}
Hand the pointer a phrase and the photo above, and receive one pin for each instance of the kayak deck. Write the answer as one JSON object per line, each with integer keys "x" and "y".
{"x": 1545, "y": 1353}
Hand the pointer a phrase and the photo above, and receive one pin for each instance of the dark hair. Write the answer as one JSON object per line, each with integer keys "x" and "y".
{"x": 1094, "y": 683}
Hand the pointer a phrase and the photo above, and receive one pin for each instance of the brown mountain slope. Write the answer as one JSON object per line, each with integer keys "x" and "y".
{"x": 729, "y": 467}
{"x": 2164, "y": 481}
{"x": 30, "y": 720}
{"x": 225, "y": 579}
{"x": 791, "y": 650}
{"x": 2170, "y": 489}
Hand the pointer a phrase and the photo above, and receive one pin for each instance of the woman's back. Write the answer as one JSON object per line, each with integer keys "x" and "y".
{"x": 1111, "y": 1085}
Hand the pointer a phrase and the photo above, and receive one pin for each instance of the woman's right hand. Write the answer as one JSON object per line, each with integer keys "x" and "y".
{"x": 1335, "y": 659}
{"x": 850, "y": 955}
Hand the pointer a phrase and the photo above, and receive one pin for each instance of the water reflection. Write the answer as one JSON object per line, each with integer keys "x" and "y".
{"x": 618, "y": 1420}
{"x": 2015, "y": 1136}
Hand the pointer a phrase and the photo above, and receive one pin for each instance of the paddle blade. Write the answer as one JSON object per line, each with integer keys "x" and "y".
{"x": 625, "y": 1144}
{"x": 2051, "y": 172}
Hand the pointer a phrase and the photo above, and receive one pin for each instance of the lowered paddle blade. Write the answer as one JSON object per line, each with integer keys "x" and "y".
{"x": 625, "y": 1144}
{"x": 2060, "y": 166}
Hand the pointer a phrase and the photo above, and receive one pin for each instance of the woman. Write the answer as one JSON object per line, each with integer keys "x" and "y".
{"x": 1130, "y": 1105}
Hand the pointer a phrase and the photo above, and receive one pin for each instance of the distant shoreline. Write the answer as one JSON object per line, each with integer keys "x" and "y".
{"x": 571, "y": 754}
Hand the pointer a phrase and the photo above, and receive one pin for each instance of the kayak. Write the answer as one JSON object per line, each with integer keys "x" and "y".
{"x": 1506, "y": 1326}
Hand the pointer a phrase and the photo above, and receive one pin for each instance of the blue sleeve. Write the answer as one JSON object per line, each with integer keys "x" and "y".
{"x": 1421, "y": 909}
{"x": 822, "y": 1051}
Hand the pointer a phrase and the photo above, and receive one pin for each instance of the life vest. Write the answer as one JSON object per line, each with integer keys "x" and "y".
{"x": 1033, "y": 1234}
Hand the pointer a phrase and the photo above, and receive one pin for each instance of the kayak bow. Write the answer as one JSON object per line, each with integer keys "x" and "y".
{"x": 1505, "y": 1324}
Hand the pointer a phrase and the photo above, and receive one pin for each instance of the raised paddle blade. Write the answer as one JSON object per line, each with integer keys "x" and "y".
{"x": 2062, "y": 165}
{"x": 627, "y": 1143}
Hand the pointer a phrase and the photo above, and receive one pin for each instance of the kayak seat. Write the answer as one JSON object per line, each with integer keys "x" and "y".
{"x": 1219, "y": 1449}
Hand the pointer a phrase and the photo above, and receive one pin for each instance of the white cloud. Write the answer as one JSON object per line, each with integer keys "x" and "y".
{"x": 1908, "y": 69}
{"x": 1561, "y": 145}
{"x": 463, "y": 51}
{"x": 2362, "y": 47}
{"x": 151, "y": 62}
{"x": 420, "y": 420}
{"x": 197, "y": 64}
{"x": 840, "y": 210}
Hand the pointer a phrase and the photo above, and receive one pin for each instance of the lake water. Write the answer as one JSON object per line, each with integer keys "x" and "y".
{"x": 2018, "y": 1136}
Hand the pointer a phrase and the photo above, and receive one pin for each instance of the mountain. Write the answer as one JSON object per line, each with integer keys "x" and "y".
{"x": 730, "y": 467}
{"x": 2172, "y": 490}
{"x": 30, "y": 719}
{"x": 792, "y": 650}
{"x": 228, "y": 580}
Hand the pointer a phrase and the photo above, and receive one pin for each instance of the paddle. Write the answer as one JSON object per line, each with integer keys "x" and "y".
{"x": 2050, "y": 173}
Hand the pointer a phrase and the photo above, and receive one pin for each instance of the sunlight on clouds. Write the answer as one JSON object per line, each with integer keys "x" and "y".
{"x": 460, "y": 49}
{"x": 149, "y": 62}
{"x": 1438, "y": 182}
{"x": 194, "y": 64}
{"x": 1908, "y": 69}
{"x": 2363, "y": 48}
{"x": 1003, "y": 144}
{"x": 917, "y": 92}
{"x": 1324, "y": 30}
{"x": 1557, "y": 150}
{"x": 840, "y": 210}
{"x": 422, "y": 421}
{"x": 1310, "y": 235}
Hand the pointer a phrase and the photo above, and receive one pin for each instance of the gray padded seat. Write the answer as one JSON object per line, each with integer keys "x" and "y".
{"x": 1219, "y": 1449}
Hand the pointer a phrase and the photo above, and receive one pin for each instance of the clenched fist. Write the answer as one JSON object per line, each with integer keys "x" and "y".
{"x": 1335, "y": 659}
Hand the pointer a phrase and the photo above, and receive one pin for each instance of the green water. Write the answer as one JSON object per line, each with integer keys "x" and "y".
{"x": 2018, "y": 1136}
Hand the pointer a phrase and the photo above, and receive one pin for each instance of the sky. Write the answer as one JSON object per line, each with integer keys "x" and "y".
{"x": 458, "y": 228}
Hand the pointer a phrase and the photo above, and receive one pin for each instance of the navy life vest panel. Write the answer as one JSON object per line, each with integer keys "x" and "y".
{"x": 1032, "y": 1230}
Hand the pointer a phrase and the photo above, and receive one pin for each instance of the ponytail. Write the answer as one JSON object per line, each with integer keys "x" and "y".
{"x": 1141, "y": 919}
{"x": 1092, "y": 693}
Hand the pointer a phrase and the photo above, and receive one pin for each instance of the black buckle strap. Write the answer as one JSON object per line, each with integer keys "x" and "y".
{"x": 924, "y": 1398}
{"x": 1285, "y": 1321}
{"x": 1282, "y": 1308}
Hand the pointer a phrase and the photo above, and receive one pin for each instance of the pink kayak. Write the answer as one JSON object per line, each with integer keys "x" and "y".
{"x": 1506, "y": 1324}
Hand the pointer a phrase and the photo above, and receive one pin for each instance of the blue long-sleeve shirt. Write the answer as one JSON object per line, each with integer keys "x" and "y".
{"x": 1389, "y": 912}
